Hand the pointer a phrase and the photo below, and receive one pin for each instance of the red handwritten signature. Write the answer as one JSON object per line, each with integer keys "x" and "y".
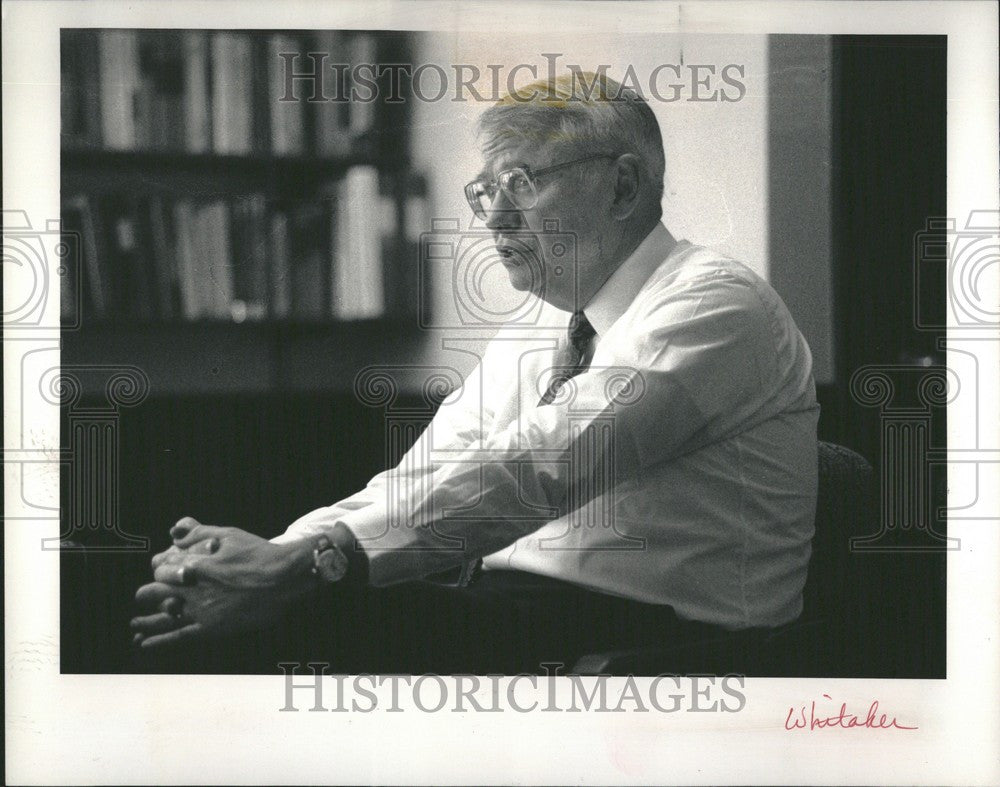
{"x": 844, "y": 720}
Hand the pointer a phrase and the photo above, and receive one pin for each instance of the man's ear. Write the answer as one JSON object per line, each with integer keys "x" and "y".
{"x": 627, "y": 184}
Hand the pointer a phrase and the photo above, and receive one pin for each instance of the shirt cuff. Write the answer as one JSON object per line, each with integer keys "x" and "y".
{"x": 394, "y": 554}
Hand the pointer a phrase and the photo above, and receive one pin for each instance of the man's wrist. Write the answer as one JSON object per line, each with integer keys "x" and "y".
{"x": 296, "y": 568}
{"x": 300, "y": 559}
{"x": 357, "y": 559}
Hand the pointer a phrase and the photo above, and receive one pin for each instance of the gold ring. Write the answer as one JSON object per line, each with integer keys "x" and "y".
{"x": 174, "y": 606}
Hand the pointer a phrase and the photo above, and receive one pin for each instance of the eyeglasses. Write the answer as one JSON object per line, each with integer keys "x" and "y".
{"x": 517, "y": 183}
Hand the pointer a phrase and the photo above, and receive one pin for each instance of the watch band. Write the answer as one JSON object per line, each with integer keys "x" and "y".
{"x": 357, "y": 559}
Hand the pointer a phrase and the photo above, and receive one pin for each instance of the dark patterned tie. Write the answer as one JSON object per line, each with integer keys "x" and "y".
{"x": 573, "y": 357}
{"x": 571, "y": 363}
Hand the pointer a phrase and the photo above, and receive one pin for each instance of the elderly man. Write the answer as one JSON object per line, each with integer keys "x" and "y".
{"x": 651, "y": 469}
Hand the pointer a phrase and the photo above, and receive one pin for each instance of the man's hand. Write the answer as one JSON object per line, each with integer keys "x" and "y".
{"x": 217, "y": 580}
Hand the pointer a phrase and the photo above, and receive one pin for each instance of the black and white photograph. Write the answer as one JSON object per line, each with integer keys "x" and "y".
{"x": 456, "y": 364}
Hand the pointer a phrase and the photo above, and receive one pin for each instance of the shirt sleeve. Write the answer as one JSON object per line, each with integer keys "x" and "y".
{"x": 459, "y": 422}
{"x": 694, "y": 362}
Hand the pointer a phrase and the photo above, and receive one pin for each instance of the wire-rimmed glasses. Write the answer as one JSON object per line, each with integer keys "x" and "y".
{"x": 517, "y": 183}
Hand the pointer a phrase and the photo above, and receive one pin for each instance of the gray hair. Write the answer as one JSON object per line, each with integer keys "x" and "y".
{"x": 581, "y": 111}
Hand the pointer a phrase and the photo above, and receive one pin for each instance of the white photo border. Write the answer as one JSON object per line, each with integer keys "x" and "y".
{"x": 221, "y": 729}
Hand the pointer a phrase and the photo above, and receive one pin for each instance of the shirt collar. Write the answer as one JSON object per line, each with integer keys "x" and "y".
{"x": 618, "y": 292}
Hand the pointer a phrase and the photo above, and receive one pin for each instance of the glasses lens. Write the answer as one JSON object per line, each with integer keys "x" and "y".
{"x": 519, "y": 188}
{"x": 480, "y": 196}
{"x": 516, "y": 185}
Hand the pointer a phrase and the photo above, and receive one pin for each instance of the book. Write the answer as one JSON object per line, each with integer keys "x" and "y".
{"x": 416, "y": 217}
{"x": 214, "y": 250}
{"x": 163, "y": 256}
{"x": 357, "y": 281}
{"x": 73, "y": 298}
{"x": 79, "y": 216}
{"x": 259, "y": 252}
{"x": 130, "y": 270}
{"x": 194, "y": 303}
{"x": 119, "y": 87}
{"x": 395, "y": 294}
{"x": 280, "y": 273}
{"x": 333, "y": 134}
{"x": 364, "y": 56}
{"x": 204, "y": 261}
{"x": 159, "y": 116}
{"x": 67, "y": 276}
{"x": 250, "y": 253}
{"x": 410, "y": 276}
{"x": 197, "y": 125}
{"x": 79, "y": 68}
{"x": 308, "y": 261}
{"x": 232, "y": 93}
{"x": 287, "y": 117}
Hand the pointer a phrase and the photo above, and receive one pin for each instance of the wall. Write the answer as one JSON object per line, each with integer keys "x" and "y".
{"x": 800, "y": 199}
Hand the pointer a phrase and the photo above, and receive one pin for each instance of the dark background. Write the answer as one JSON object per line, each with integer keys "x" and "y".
{"x": 258, "y": 461}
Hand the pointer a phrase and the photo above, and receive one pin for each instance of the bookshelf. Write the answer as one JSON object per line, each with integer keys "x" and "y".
{"x": 95, "y": 169}
{"x": 230, "y": 241}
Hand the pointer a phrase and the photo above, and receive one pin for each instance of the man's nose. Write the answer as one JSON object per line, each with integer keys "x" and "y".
{"x": 502, "y": 214}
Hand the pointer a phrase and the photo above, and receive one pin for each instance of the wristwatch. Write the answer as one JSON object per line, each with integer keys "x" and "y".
{"x": 330, "y": 563}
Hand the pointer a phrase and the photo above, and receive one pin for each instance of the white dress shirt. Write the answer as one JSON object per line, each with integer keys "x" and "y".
{"x": 680, "y": 468}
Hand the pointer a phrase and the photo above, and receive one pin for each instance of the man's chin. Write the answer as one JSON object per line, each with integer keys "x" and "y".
{"x": 521, "y": 279}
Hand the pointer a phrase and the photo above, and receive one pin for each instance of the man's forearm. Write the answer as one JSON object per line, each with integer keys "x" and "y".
{"x": 479, "y": 509}
{"x": 298, "y": 561}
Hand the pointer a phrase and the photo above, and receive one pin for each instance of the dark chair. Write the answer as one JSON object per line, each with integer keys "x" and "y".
{"x": 837, "y": 633}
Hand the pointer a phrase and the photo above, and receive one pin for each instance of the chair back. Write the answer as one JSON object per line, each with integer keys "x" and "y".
{"x": 844, "y": 510}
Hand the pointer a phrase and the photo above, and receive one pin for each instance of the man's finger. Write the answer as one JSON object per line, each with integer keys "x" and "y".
{"x": 176, "y": 554}
{"x": 149, "y": 596}
{"x": 178, "y": 635}
{"x": 186, "y": 537}
{"x": 156, "y": 624}
{"x": 182, "y": 574}
{"x": 207, "y": 547}
{"x": 183, "y": 526}
{"x": 172, "y": 555}
{"x": 174, "y": 606}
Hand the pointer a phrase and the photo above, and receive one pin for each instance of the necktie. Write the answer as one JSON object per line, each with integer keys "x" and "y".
{"x": 573, "y": 360}
{"x": 573, "y": 357}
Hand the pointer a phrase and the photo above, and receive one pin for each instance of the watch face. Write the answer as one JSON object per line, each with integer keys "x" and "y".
{"x": 331, "y": 565}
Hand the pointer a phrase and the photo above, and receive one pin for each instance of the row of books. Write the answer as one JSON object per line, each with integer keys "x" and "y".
{"x": 200, "y": 91}
{"x": 339, "y": 257}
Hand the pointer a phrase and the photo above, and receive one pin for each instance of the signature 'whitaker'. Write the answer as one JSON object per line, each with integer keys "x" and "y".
{"x": 845, "y": 720}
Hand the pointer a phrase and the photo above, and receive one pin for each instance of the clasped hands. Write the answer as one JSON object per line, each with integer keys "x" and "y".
{"x": 218, "y": 580}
